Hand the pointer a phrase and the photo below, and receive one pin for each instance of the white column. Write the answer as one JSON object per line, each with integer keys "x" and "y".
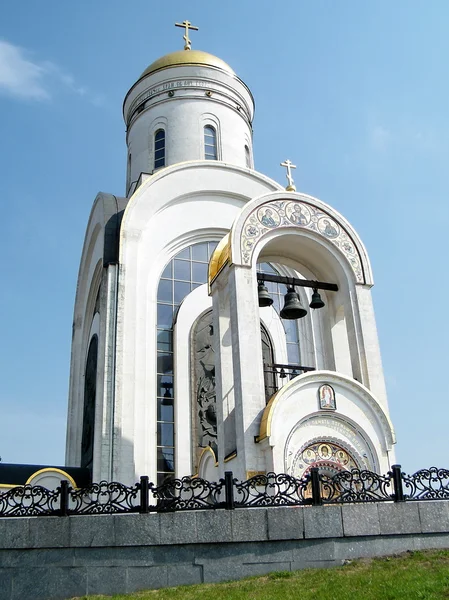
{"x": 370, "y": 344}
{"x": 224, "y": 378}
{"x": 247, "y": 368}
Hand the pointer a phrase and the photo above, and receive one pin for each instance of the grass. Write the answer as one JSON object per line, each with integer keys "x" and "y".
{"x": 410, "y": 576}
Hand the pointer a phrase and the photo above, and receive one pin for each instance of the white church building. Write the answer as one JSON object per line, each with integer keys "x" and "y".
{"x": 176, "y": 370}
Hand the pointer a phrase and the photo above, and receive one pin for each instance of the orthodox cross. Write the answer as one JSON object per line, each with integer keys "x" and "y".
{"x": 289, "y": 166}
{"x": 187, "y": 25}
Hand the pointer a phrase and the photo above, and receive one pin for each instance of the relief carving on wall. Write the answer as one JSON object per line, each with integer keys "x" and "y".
{"x": 284, "y": 213}
{"x": 204, "y": 365}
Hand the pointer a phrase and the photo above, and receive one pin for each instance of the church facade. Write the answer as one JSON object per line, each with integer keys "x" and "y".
{"x": 185, "y": 358}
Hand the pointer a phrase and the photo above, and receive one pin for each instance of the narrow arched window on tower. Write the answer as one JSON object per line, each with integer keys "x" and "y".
{"x": 159, "y": 149}
{"x": 247, "y": 157}
{"x": 210, "y": 143}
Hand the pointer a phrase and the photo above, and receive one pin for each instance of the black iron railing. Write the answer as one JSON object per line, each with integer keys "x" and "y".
{"x": 193, "y": 493}
{"x": 277, "y": 375}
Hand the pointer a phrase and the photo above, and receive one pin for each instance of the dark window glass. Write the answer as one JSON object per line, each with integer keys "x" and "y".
{"x": 168, "y": 271}
{"x": 199, "y": 272}
{"x": 182, "y": 270}
{"x": 210, "y": 143}
{"x": 184, "y": 253}
{"x": 165, "y": 388}
{"x": 165, "y": 434}
{"x": 164, "y": 340}
{"x": 165, "y": 459}
{"x": 165, "y": 363}
{"x": 199, "y": 252}
{"x": 182, "y": 288}
{"x": 165, "y": 409}
{"x": 159, "y": 149}
{"x": 165, "y": 291}
{"x": 164, "y": 316}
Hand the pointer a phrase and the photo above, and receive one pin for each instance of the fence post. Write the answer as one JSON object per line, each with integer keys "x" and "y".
{"x": 229, "y": 490}
{"x": 144, "y": 493}
{"x": 316, "y": 488}
{"x": 397, "y": 483}
{"x": 64, "y": 505}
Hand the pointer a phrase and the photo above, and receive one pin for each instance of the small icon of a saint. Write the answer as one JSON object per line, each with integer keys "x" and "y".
{"x": 297, "y": 216}
{"x": 267, "y": 218}
{"x": 329, "y": 230}
{"x": 326, "y": 397}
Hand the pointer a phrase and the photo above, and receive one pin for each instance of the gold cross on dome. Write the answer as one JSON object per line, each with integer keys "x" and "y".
{"x": 289, "y": 166}
{"x": 187, "y": 25}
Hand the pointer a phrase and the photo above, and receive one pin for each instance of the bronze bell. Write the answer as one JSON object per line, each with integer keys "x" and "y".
{"x": 292, "y": 306}
{"x": 264, "y": 297}
{"x": 317, "y": 301}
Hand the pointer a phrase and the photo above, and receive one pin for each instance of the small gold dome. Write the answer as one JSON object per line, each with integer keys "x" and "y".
{"x": 187, "y": 57}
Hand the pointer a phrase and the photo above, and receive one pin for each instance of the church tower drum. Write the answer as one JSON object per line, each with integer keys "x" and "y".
{"x": 176, "y": 370}
{"x": 187, "y": 105}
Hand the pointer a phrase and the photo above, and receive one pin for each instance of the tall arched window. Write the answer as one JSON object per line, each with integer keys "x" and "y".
{"x": 90, "y": 391}
{"x": 159, "y": 149}
{"x": 185, "y": 272}
{"x": 210, "y": 143}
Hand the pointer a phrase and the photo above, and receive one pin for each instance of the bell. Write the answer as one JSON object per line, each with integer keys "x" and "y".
{"x": 264, "y": 297}
{"x": 292, "y": 307}
{"x": 316, "y": 302}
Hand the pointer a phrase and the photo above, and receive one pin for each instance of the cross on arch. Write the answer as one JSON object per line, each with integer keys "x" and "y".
{"x": 289, "y": 166}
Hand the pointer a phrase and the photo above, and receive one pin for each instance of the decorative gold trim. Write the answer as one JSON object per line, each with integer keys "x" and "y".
{"x": 9, "y": 485}
{"x": 250, "y": 474}
{"x": 230, "y": 457}
{"x": 265, "y": 424}
{"x": 54, "y": 470}
{"x": 221, "y": 256}
{"x": 207, "y": 449}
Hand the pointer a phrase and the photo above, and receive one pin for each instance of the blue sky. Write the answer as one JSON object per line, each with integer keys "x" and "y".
{"x": 355, "y": 93}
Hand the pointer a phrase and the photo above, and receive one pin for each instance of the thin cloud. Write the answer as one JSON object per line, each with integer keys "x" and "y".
{"x": 19, "y": 76}
{"x": 23, "y": 78}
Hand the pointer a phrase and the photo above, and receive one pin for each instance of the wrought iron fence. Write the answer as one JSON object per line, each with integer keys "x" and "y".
{"x": 194, "y": 493}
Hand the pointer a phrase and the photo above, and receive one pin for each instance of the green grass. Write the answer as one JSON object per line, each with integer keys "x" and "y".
{"x": 410, "y": 576}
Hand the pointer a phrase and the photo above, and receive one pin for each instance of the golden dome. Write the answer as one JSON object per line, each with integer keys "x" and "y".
{"x": 187, "y": 57}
